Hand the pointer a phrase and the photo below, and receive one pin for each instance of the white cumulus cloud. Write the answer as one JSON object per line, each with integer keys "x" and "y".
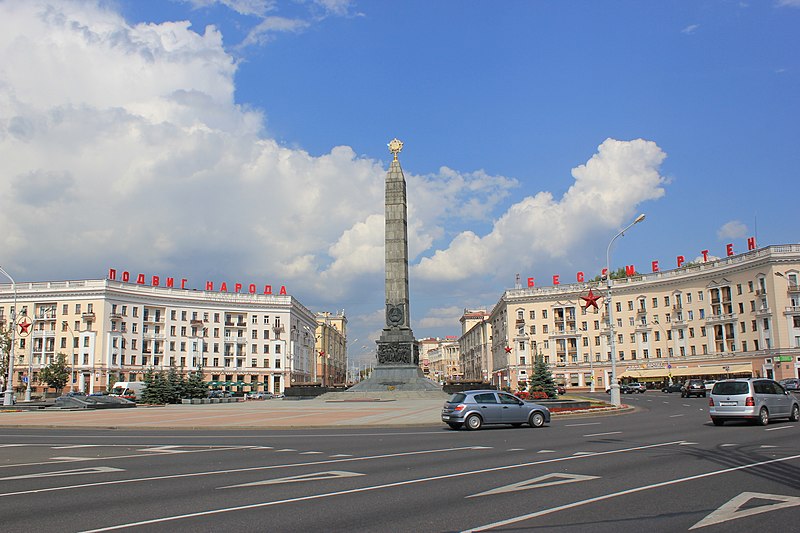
{"x": 732, "y": 230}
{"x": 606, "y": 191}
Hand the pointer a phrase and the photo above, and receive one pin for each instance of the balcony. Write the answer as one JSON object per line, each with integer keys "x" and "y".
{"x": 237, "y": 340}
{"x": 763, "y": 311}
{"x": 115, "y": 316}
{"x": 675, "y": 324}
{"x": 564, "y": 333}
{"x": 792, "y": 310}
{"x": 196, "y": 323}
{"x": 153, "y": 319}
{"x": 721, "y": 318}
{"x": 87, "y": 316}
{"x": 154, "y": 336}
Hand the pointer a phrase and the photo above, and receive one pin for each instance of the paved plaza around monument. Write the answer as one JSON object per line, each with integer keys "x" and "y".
{"x": 240, "y": 415}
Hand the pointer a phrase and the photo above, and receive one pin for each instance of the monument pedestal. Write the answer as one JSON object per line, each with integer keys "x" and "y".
{"x": 398, "y": 377}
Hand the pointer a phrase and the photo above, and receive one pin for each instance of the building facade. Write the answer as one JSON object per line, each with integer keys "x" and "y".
{"x": 475, "y": 345}
{"x": 736, "y": 316}
{"x": 111, "y": 330}
{"x": 331, "y": 349}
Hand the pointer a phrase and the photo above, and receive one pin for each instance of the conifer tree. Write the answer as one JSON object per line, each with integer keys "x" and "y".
{"x": 542, "y": 379}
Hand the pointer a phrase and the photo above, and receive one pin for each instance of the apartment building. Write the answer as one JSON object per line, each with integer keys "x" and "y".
{"x": 113, "y": 330}
{"x": 475, "y": 345}
{"x": 735, "y": 316}
{"x": 331, "y": 349}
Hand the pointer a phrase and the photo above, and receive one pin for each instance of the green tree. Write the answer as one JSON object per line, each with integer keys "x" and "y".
{"x": 619, "y": 273}
{"x": 5, "y": 351}
{"x": 195, "y": 384}
{"x": 150, "y": 392}
{"x": 175, "y": 385}
{"x": 542, "y": 379}
{"x": 55, "y": 374}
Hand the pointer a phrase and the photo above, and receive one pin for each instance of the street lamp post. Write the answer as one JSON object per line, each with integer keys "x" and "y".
{"x": 615, "y": 399}
{"x": 9, "y": 394}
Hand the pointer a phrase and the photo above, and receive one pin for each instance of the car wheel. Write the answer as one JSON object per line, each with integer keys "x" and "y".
{"x": 454, "y": 425}
{"x": 795, "y": 416}
{"x": 718, "y": 421}
{"x": 763, "y": 416}
{"x": 536, "y": 420}
{"x": 473, "y": 422}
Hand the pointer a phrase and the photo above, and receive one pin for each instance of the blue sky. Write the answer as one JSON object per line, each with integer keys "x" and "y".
{"x": 245, "y": 140}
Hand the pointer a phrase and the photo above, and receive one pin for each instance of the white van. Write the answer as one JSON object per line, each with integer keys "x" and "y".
{"x": 130, "y": 390}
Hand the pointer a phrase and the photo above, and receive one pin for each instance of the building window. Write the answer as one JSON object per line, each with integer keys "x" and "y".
{"x": 738, "y": 288}
{"x": 618, "y": 306}
{"x": 655, "y": 302}
{"x": 532, "y": 315}
{"x": 277, "y": 348}
{"x": 135, "y": 311}
{"x": 277, "y": 363}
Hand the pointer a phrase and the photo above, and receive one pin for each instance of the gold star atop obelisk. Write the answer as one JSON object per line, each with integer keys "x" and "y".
{"x": 395, "y": 146}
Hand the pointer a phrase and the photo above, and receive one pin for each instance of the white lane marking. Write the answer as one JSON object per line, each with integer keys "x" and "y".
{"x": 130, "y": 456}
{"x": 687, "y": 443}
{"x": 726, "y": 445}
{"x": 583, "y": 453}
{"x": 777, "y": 428}
{"x": 375, "y": 487}
{"x": 236, "y": 470}
{"x": 73, "y": 472}
{"x": 75, "y": 446}
{"x": 601, "y": 434}
{"x": 262, "y": 448}
{"x": 286, "y": 450}
{"x": 316, "y": 476}
{"x": 546, "y": 451}
{"x": 310, "y": 453}
{"x": 12, "y": 445}
{"x": 341, "y": 455}
{"x": 586, "y": 424}
{"x": 674, "y": 416}
{"x": 537, "y": 482}
{"x": 768, "y": 446}
{"x": 604, "y": 497}
{"x": 163, "y": 449}
{"x": 731, "y": 510}
{"x": 516, "y": 449}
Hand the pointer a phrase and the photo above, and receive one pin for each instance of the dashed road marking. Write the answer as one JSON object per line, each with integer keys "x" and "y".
{"x": 316, "y": 476}
{"x": 547, "y": 480}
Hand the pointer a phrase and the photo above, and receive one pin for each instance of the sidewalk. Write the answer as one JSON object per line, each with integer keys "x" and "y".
{"x": 252, "y": 414}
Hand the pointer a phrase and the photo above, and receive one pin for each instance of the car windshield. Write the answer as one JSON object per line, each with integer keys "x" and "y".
{"x": 458, "y": 397}
{"x": 730, "y": 387}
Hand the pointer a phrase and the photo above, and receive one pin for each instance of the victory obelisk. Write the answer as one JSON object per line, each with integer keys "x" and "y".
{"x": 398, "y": 351}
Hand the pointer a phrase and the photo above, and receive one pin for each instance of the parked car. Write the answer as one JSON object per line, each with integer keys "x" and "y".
{"x": 709, "y": 384}
{"x": 675, "y": 387}
{"x": 790, "y": 384}
{"x": 476, "y": 408}
{"x": 693, "y": 387}
{"x": 220, "y": 394}
{"x": 754, "y": 399}
{"x": 638, "y": 388}
{"x": 259, "y": 396}
{"x": 623, "y": 389}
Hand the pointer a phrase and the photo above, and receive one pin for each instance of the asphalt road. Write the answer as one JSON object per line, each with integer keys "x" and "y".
{"x": 663, "y": 467}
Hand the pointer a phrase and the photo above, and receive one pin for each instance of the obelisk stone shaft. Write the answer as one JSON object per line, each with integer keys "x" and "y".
{"x": 398, "y": 351}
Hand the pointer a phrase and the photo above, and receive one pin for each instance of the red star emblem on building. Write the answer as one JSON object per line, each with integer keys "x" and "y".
{"x": 591, "y": 300}
{"x": 24, "y": 325}
{"x": 508, "y": 349}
